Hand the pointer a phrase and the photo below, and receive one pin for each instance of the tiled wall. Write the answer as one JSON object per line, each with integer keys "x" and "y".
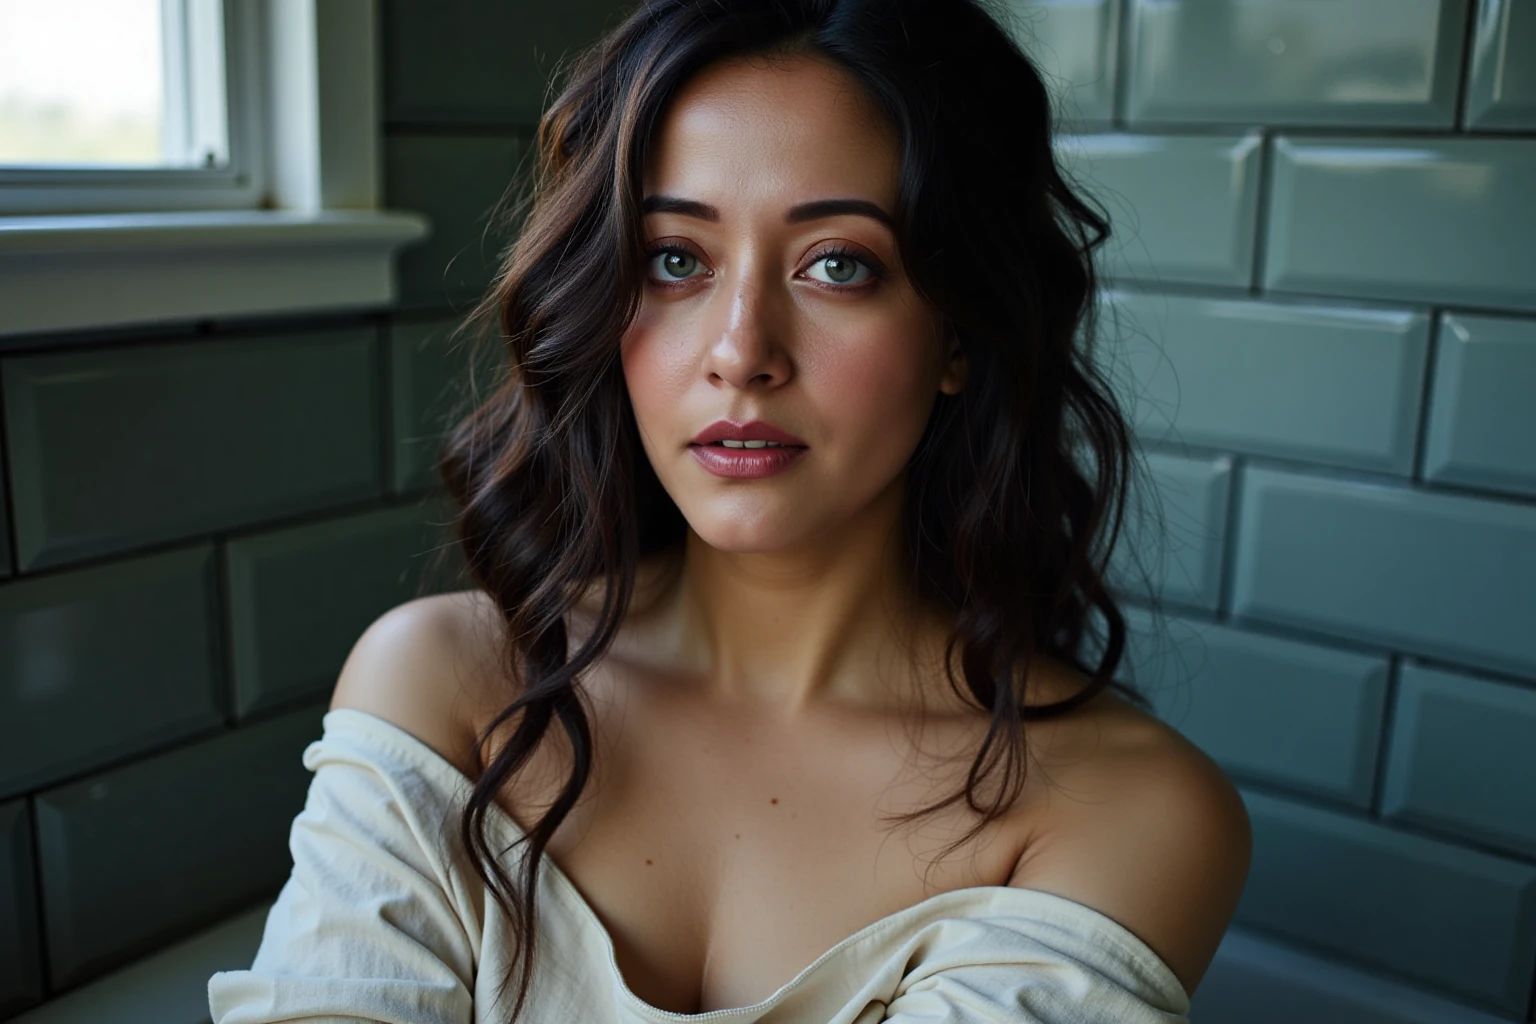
{"x": 1323, "y": 314}
{"x": 201, "y": 518}
{"x": 1326, "y": 300}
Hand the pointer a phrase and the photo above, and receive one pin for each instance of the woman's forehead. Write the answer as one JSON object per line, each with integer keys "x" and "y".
{"x": 796, "y": 126}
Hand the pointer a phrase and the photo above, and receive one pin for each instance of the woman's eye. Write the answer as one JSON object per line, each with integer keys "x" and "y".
{"x": 674, "y": 264}
{"x": 841, "y": 268}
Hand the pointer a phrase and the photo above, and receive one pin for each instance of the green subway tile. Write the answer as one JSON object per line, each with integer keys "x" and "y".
{"x": 1182, "y": 208}
{"x": 1501, "y": 88}
{"x": 434, "y": 382}
{"x": 1463, "y": 759}
{"x": 300, "y": 598}
{"x": 116, "y": 449}
{"x": 1174, "y": 537}
{"x": 1256, "y": 980}
{"x": 1481, "y": 418}
{"x": 456, "y": 182}
{"x": 1328, "y": 384}
{"x": 1439, "y": 575}
{"x": 139, "y": 856}
{"x": 1404, "y": 219}
{"x": 1366, "y": 62}
{"x": 1298, "y": 715}
{"x": 102, "y": 663}
{"x": 458, "y": 61}
{"x": 1073, "y": 43}
{"x": 21, "y": 966}
{"x": 1439, "y": 915}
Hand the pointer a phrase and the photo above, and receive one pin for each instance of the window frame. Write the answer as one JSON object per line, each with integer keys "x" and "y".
{"x": 239, "y": 184}
{"x": 315, "y": 241}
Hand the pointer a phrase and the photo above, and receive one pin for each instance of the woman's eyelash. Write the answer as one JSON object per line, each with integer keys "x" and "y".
{"x": 877, "y": 269}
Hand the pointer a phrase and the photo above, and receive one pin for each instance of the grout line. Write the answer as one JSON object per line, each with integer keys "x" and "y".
{"x": 291, "y": 705}
{"x": 44, "y": 966}
{"x": 1426, "y": 396}
{"x": 1384, "y": 737}
{"x": 1120, "y": 100}
{"x": 1308, "y": 131}
{"x": 8, "y": 506}
{"x": 1327, "y": 804}
{"x": 1229, "y": 539}
{"x": 224, "y": 619}
{"x": 385, "y": 399}
{"x": 1261, "y": 216}
{"x": 1464, "y": 70}
{"x": 308, "y": 517}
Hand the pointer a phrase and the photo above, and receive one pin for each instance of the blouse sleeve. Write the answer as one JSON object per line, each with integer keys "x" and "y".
{"x": 369, "y": 925}
{"x": 1037, "y": 970}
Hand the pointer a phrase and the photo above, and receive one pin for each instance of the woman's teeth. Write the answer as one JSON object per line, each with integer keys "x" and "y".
{"x": 750, "y": 444}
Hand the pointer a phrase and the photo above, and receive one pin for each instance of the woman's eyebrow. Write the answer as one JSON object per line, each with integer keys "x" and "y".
{"x": 813, "y": 210}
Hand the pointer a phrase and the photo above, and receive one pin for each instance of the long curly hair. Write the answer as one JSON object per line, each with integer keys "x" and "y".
{"x": 1004, "y": 524}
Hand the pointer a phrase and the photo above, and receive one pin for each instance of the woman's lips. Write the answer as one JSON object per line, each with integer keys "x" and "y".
{"x": 745, "y": 463}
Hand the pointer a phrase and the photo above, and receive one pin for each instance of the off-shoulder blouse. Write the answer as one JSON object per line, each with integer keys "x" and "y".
{"x": 382, "y": 919}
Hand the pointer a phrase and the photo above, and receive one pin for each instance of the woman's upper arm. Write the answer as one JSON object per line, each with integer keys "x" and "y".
{"x": 375, "y": 922}
{"x": 424, "y": 666}
{"x": 1156, "y": 837}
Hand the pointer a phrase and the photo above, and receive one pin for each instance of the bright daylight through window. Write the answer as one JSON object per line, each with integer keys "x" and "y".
{"x": 112, "y": 83}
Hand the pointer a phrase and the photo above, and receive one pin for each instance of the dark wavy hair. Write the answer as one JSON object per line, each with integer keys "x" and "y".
{"x": 1003, "y": 526}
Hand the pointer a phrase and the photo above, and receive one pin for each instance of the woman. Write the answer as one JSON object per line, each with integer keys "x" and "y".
{"x": 781, "y": 538}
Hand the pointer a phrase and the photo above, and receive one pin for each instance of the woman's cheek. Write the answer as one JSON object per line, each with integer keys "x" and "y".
{"x": 880, "y": 391}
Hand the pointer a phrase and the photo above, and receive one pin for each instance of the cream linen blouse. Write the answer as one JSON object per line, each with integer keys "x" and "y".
{"x": 382, "y": 921}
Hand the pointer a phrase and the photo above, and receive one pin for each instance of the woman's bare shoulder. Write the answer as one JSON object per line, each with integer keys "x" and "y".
{"x": 429, "y": 666}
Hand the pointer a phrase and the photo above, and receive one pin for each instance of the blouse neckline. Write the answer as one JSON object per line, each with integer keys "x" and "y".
{"x": 425, "y": 758}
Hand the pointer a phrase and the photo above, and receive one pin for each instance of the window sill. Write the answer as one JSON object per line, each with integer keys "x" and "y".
{"x": 61, "y": 273}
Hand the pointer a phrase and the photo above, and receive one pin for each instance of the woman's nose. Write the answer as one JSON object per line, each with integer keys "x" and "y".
{"x": 748, "y": 341}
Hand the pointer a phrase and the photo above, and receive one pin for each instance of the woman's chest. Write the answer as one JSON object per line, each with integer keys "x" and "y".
{"x": 724, "y": 850}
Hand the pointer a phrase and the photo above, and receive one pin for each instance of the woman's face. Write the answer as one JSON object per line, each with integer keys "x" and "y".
{"x": 758, "y": 306}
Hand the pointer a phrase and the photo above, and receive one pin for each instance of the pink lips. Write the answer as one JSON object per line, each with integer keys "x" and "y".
{"x": 746, "y": 463}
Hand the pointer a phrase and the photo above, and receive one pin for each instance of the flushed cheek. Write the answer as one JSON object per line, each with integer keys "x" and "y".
{"x": 657, "y": 374}
{"x": 879, "y": 396}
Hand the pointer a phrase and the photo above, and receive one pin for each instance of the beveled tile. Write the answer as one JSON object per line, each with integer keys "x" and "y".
{"x": 102, "y": 663}
{"x": 1376, "y": 562}
{"x": 462, "y": 61}
{"x": 1436, "y": 914}
{"x": 116, "y": 449}
{"x": 1463, "y": 760}
{"x": 1338, "y": 223}
{"x": 1501, "y": 87}
{"x": 1332, "y": 384}
{"x": 432, "y": 384}
{"x": 1182, "y": 208}
{"x": 1481, "y": 417}
{"x": 1302, "y": 716}
{"x": 300, "y": 598}
{"x": 457, "y": 181}
{"x": 1074, "y": 45}
{"x": 1175, "y": 536}
{"x": 21, "y": 966}
{"x": 1257, "y": 980}
{"x": 1367, "y": 62}
{"x": 141, "y": 855}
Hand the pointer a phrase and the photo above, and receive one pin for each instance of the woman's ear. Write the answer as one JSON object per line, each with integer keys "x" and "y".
{"x": 956, "y": 364}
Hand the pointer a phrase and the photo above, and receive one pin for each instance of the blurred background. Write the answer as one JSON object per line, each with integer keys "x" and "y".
{"x": 235, "y": 238}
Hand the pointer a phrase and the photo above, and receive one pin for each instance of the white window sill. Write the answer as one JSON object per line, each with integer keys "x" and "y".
{"x": 65, "y": 273}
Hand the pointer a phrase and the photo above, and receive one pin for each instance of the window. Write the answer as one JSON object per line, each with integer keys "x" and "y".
{"x": 166, "y": 160}
{"x": 119, "y": 105}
